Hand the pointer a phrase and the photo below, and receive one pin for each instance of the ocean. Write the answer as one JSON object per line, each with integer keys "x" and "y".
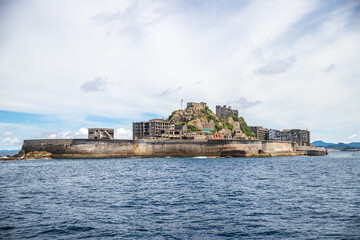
{"x": 182, "y": 198}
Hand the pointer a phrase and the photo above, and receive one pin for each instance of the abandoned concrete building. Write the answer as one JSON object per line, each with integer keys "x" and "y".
{"x": 302, "y": 137}
{"x": 160, "y": 129}
{"x": 225, "y": 112}
{"x": 164, "y": 129}
{"x": 274, "y": 134}
{"x": 140, "y": 129}
{"x": 151, "y": 128}
{"x": 178, "y": 129}
{"x": 194, "y": 104}
{"x": 237, "y": 135}
{"x": 100, "y": 133}
{"x": 260, "y": 132}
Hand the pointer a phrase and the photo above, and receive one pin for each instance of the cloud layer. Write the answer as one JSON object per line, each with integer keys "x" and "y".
{"x": 277, "y": 67}
{"x": 289, "y": 64}
{"x": 95, "y": 85}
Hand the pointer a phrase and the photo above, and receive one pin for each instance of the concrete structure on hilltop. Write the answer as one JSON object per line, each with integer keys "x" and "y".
{"x": 194, "y": 104}
{"x": 100, "y": 133}
{"x": 180, "y": 128}
{"x": 164, "y": 129}
{"x": 260, "y": 132}
{"x": 225, "y": 112}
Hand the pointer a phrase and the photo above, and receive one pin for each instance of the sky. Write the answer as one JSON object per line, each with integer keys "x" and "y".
{"x": 66, "y": 66}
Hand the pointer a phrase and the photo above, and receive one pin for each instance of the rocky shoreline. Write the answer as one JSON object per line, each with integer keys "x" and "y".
{"x": 48, "y": 155}
{"x": 21, "y": 155}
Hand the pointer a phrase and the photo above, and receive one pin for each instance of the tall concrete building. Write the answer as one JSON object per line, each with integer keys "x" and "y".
{"x": 260, "y": 132}
{"x": 152, "y": 128}
{"x": 100, "y": 133}
{"x": 274, "y": 134}
{"x": 300, "y": 136}
{"x": 225, "y": 112}
{"x": 158, "y": 127}
{"x": 140, "y": 129}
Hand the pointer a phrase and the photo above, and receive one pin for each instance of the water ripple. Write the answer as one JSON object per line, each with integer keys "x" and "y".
{"x": 182, "y": 198}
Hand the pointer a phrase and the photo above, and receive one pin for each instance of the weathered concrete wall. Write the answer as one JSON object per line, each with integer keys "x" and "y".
{"x": 90, "y": 148}
{"x": 81, "y": 148}
{"x": 276, "y": 146}
{"x": 54, "y": 145}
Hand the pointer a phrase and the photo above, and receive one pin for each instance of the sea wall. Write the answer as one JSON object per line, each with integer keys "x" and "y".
{"x": 81, "y": 148}
{"x": 91, "y": 148}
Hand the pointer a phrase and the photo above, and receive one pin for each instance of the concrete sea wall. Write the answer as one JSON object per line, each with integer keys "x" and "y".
{"x": 91, "y": 148}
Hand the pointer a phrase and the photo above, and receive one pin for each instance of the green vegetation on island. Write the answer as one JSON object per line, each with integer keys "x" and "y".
{"x": 229, "y": 126}
{"x": 235, "y": 118}
{"x": 197, "y": 117}
{"x": 192, "y": 128}
{"x": 245, "y": 128}
{"x": 172, "y": 114}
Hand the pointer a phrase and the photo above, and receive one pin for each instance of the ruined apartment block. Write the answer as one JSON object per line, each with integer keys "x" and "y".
{"x": 225, "y": 112}
{"x": 151, "y": 128}
{"x": 260, "y": 132}
{"x": 100, "y": 133}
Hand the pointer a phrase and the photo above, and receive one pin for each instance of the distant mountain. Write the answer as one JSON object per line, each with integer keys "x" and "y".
{"x": 321, "y": 144}
{"x": 8, "y": 152}
{"x": 355, "y": 144}
{"x": 339, "y": 146}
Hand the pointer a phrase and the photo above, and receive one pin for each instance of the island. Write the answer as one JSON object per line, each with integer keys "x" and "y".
{"x": 195, "y": 131}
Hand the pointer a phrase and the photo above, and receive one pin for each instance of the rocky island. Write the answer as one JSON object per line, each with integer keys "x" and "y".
{"x": 191, "y": 132}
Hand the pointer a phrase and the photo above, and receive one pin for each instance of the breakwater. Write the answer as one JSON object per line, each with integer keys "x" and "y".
{"x": 91, "y": 148}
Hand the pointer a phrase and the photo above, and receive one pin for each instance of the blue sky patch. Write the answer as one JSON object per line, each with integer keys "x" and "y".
{"x": 21, "y": 118}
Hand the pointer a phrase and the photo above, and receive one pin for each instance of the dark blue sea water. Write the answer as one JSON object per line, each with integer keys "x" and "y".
{"x": 182, "y": 198}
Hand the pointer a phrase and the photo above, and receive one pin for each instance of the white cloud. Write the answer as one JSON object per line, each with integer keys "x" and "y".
{"x": 9, "y": 142}
{"x": 164, "y": 51}
{"x": 242, "y": 103}
{"x": 81, "y": 133}
{"x": 352, "y": 136}
{"x": 330, "y": 68}
{"x": 276, "y": 67}
{"x": 122, "y": 133}
{"x": 170, "y": 91}
{"x": 95, "y": 85}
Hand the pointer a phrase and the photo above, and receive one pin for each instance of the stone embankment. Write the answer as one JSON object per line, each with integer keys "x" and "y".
{"x": 316, "y": 152}
{"x": 91, "y": 148}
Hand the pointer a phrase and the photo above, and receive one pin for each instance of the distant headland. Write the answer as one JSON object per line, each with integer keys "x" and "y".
{"x": 190, "y": 132}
